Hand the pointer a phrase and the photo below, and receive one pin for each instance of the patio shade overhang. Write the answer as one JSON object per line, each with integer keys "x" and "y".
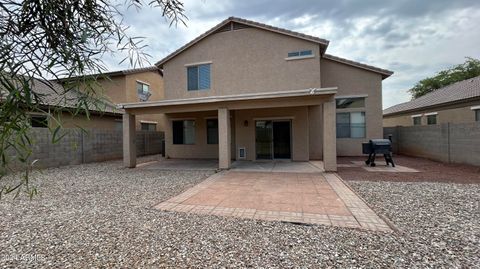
{"x": 303, "y": 97}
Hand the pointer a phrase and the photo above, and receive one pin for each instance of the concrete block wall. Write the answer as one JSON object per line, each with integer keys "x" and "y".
{"x": 450, "y": 143}
{"x": 94, "y": 145}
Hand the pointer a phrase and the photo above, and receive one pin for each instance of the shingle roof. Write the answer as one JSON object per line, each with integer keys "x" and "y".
{"x": 456, "y": 92}
{"x": 384, "y": 72}
{"x": 52, "y": 94}
{"x": 321, "y": 41}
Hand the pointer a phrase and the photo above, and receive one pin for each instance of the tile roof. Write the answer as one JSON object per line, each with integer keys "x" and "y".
{"x": 321, "y": 41}
{"x": 51, "y": 94}
{"x": 456, "y": 92}
{"x": 384, "y": 72}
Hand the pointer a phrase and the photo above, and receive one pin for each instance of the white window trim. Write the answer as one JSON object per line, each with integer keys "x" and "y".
{"x": 143, "y": 82}
{"x": 475, "y": 108}
{"x": 417, "y": 115}
{"x": 351, "y": 96}
{"x": 431, "y": 113}
{"x": 151, "y": 122}
{"x": 300, "y": 57}
{"x": 197, "y": 63}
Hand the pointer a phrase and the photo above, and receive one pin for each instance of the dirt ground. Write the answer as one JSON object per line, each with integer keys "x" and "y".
{"x": 430, "y": 171}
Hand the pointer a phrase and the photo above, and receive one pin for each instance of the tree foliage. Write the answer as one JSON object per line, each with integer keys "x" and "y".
{"x": 42, "y": 40}
{"x": 469, "y": 69}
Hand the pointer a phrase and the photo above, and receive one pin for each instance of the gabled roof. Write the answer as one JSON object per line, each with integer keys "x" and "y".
{"x": 52, "y": 94}
{"x": 322, "y": 42}
{"x": 457, "y": 92}
{"x": 384, "y": 72}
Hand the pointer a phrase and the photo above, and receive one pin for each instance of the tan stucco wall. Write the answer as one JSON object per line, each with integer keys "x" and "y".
{"x": 242, "y": 136}
{"x": 123, "y": 89}
{"x": 200, "y": 150}
{"x": 244, "y": 61}
{"x": 156, "y": 88}
{"x": 352, "y": 81}
{"x": 458, "y": 113}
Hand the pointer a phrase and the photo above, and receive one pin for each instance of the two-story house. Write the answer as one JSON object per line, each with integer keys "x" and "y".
{"x": 249, "y": 91}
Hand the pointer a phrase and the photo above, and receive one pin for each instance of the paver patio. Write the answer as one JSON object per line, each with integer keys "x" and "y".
{"x": 311, "y": 198}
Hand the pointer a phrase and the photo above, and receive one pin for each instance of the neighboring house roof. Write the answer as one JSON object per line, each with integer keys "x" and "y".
{"x": 384, "y": 72}
{"x": 323, "y": 42}
{"x": 120, "y": 72}
{"x": 457, "y": 92}
{"x": 53, "y": 94}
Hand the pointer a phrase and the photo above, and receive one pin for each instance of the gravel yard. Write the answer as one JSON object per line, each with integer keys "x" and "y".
{"x": 100, "y": 215}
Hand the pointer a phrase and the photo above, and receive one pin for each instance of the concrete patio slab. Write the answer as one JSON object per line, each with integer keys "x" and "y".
{"x": 277, "y": 166}
{"x": 311, "y": 198}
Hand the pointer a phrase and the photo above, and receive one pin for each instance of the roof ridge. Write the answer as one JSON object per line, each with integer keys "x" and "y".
{"x": 384, "y": 72}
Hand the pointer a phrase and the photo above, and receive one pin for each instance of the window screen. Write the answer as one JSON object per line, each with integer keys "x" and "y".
{"x": 212, "y": 131}
{"x": 198, "y": 77}
{"x": 351, "y": 125}
{"x": 148, "y": 126}
{"x": 431, "y": 119}
{"x": 477, "y": 115}
{"x": 183, "y": 132}
{"x": 417, "y": 120}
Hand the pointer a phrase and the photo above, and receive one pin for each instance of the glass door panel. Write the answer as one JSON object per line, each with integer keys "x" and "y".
{"x": 264, "y": 139}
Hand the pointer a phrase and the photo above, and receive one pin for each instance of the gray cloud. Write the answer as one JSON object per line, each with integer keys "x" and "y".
{"x": 413, "y": 38}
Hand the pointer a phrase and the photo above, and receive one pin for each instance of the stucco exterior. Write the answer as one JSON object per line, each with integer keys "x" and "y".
{"x": 245, "y": 61}
{"x": 448, "y": 113}
{"x": 356, "y": 82}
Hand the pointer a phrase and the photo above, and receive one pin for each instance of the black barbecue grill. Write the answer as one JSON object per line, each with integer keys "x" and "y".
{"x": 378, "y": 146}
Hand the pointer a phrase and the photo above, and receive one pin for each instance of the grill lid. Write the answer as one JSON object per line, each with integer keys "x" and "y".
{"x": 380, "y": 142}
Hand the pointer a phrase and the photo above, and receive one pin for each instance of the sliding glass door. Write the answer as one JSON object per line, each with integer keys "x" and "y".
{"x": 273, "y": 139}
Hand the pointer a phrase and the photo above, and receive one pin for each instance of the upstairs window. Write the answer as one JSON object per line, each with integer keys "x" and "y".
{"x": 183, "y": 132}
{"x": 477, "y": 115}
{"x": 300, "y": 53}
{"x": 143, "y": 91}
{"x": 198, "y": 77}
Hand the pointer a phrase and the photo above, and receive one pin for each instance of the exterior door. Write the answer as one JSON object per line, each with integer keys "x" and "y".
{"x": 273, "y": 139}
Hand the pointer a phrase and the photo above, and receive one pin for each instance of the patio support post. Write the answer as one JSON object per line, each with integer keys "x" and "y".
{"x": 329, "y": 136}
{"x": 129, "y": 148}
{"x": 224, "y": 139}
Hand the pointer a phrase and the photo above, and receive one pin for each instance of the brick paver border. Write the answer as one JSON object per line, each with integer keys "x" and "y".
{"x": 362, "y": 216}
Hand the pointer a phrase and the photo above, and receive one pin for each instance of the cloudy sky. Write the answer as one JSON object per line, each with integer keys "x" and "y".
{"x": 413, "y": 38}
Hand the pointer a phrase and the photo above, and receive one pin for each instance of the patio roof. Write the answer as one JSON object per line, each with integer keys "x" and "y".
{"x": 229, "y": 98}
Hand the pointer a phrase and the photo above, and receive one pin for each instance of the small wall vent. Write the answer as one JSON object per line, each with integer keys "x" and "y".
{"x": 241, "y": 153}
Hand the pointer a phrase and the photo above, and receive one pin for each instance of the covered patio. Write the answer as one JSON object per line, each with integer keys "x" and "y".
{"x": 311, "y": 113}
